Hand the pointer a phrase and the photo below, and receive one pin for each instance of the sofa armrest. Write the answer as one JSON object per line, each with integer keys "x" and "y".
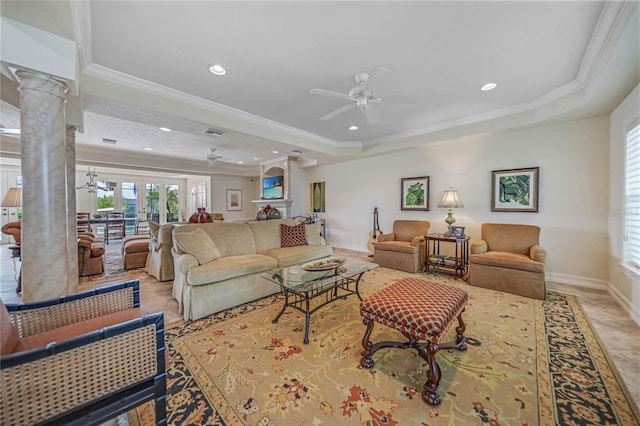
{"x": 478, "y": 247}
{"x": 38, "y": 317}
{"x": 185, "y": 261}
{"x": 536, "y": 252}
{"x": 386, "y": 237}
{"x": 90, "y": 378}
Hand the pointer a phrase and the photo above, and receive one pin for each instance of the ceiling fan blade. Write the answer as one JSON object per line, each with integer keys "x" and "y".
{"x": 371, "y": 115}
{"x": 338, "y": 111}
{"x": 331, "y": 94}
{"x": 403, "y": 99}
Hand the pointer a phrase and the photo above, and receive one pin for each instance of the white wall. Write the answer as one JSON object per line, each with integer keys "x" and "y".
{"x": 250, "y": 187}
{"x": 573, "y": 161}
{"x": 625, "y": 285}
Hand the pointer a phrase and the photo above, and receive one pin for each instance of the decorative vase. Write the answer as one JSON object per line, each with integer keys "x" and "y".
{"x": 274, "y": 214}
{"x": 261, "y": 215}
{"x": 201, "y": 216}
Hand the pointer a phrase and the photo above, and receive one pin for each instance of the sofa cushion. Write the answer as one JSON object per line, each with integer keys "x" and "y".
{"x": 288, "y": 256}
{"x": 77, "y": 329}
{"x": 8, "y": 333}
{"x": 312, "y": 232}
{"x": 198, "y": 244}
{"x": 292, "y": 236}
{"x": 229, "y": 267}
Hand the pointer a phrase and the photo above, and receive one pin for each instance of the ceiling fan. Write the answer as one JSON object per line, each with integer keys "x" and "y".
{"x": 212, "y": 157}
{"x": 359, "y": 96}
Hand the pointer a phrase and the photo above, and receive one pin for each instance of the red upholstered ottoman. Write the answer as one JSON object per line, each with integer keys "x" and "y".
{"x": 420, "y": 310}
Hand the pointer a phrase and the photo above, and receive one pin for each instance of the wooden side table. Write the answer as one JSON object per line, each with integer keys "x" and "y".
{"x": 458, "y": 263}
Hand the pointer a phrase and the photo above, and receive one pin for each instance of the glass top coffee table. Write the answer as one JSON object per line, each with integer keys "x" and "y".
{"x": 300, "y": 286}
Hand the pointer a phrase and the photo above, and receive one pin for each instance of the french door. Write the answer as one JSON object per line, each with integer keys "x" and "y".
{"x": 139, "y": 200}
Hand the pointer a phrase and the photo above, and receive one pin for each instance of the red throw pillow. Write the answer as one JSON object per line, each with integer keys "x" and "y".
{"x": 292, "y": 236}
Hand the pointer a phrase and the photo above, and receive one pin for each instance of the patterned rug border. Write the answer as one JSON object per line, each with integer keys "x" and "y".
{"x": 626, "y": 409}
{"x": 609, "y": 376}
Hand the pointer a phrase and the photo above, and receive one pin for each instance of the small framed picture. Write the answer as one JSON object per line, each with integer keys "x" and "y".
{"x": 234, "y": 199}
{"x": 456, "y": 232}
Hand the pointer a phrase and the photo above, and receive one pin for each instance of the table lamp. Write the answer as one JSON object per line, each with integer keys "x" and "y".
{"x": 13, "y": 198}
{"x": 450, "y": 200}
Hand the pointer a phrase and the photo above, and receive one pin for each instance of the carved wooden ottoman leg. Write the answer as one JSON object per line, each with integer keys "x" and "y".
{"x": 430, "y": 388}
{"x": 366, "y": 360}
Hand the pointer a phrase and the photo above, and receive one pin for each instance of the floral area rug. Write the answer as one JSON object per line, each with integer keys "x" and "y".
{"x": 528, "y": 362}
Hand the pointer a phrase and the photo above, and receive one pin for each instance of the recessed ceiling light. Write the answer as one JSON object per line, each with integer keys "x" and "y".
{"x": 275, "y": 152}
{"x": 240, "y": 162}
{"x": 488, "y": 86}
{"x": 256, "y": 158}
{"x": 217, "y": 69}
{"x": 165, "y": 129}
{"x": 148, "y": 149}
{"x": 353, "y": 128}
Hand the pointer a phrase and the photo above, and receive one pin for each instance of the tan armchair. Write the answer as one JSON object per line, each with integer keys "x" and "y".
{"x": 509, "y": 258}
{"x": 405, "y": 248}
{"x": 90, "y": 255}
{"x": 14, "y": 229}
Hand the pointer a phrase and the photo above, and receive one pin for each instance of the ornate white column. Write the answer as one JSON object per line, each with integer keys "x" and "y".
{"x": 72, "y": 222}
{"x": 45, "y": 233}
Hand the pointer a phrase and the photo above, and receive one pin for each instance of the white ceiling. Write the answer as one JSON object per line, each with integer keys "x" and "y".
{"x": 541, "y": 55}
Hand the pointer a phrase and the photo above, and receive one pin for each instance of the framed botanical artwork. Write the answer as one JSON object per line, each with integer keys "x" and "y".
{"x": 456, "y": 232}
{"x": 514, "y": 190}
{"x": 415, "y": 193}
{"x": 234, "y": 199}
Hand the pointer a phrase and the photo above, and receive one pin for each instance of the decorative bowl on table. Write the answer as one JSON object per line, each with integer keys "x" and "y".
{"x": 324, "y": 264}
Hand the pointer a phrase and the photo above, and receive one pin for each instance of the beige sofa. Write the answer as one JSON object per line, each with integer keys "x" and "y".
{"x": 160, "y": 259}
{"x": 509, "y": 258}
{"x": 241, "y": 252}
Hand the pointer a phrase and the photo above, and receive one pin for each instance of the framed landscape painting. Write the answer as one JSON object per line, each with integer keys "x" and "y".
{"x": 415, "y": 193}
{"x": 514, "y": 190}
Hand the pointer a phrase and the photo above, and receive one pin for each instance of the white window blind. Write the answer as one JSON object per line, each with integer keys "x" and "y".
{"x": 632, "y": 197}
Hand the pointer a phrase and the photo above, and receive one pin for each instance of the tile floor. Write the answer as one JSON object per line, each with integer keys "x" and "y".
{"x": 619, "y": 334}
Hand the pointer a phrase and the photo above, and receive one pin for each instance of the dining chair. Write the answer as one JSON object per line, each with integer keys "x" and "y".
{"x": 84, "y": 221}
{"x": 114, "y": 227}
{"x": 142, "y": 227}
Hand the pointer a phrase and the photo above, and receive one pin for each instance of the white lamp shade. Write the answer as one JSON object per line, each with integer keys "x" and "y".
{"x": 450, "y": 199}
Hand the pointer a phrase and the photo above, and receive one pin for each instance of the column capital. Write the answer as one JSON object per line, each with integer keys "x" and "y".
{"x": 32, "y": 80}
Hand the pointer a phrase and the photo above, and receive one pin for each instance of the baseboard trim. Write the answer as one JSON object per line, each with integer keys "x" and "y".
{"x": 577, "y": 281}
{"x": 631, "y": 310}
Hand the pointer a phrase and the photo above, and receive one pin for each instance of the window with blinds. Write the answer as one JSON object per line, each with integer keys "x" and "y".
{"x": 632, "y": 197}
